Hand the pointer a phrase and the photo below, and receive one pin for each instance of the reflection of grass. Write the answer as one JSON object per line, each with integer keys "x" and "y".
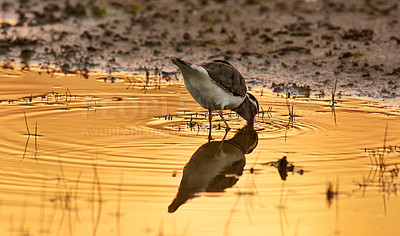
{"x": 333, "y": 101}
{"x": 290, "y": 123}
{"x": 51, "y": 98}
{"x": 96, "y": 198}
{"x": 249, "y": 193}
{"x": 268, "y": 112}
{"x": 333, "y": 194}
{"x": 382, "y": 179}
{"x": 382, "y": 175}
{"x": 131, "y": 83}
{"x": 291, "y": 111}
{"x": 147, "y": 79}
{"x": 64, "y": 203}
{"x": 155, "y": 80}
{"x": 382, "y": 157}
{"x": 29, "y": 135}
{"x": 118, "y": 208}
{"x": 282, "y": 208}
{"x": 378, "y": 156}
{"x": 58, "y": 212}
{"x": 66, "y": 197}
{"x": 23, "y": 229}
{"x": 195, "y": 121}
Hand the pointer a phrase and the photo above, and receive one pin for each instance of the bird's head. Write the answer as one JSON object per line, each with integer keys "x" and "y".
{"x": 248, "y": 109}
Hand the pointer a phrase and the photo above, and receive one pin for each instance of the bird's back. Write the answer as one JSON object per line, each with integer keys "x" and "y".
{"x": 226, "y": 76}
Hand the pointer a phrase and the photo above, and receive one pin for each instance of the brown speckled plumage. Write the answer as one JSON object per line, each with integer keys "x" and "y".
{"x": 226, "y": 76}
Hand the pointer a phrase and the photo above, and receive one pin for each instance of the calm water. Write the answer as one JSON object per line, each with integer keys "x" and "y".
{"x": 106, "y": 156}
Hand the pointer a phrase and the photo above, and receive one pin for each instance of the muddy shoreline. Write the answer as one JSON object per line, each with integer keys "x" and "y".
{"x": 297, "y": 46}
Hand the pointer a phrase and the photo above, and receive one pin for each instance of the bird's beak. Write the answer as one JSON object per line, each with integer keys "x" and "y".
{"x": 178, "y": 62}
{"x": 174, "y": 60}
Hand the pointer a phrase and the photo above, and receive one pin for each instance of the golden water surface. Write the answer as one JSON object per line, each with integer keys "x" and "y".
{"x": 106, "y": 156}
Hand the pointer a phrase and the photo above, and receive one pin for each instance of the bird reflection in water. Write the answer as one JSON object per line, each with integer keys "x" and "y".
{"x": 215, "y": 166}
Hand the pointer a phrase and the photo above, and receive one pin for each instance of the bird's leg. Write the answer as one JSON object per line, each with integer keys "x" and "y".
{"x": 226, "y": 123}
{"x": 209, "y": 120}
{"x": 227, "y": 126}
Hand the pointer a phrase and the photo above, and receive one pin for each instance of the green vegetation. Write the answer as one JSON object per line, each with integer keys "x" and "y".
{"x": 99, "y": 12}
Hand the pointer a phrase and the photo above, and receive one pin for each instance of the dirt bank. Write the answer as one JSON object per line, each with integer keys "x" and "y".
{"x": 301, "y": 45}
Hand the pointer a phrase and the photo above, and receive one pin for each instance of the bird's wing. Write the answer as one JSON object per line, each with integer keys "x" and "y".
{"x": 225, "y": 75}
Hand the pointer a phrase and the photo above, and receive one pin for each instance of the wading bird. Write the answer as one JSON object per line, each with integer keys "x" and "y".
{"x": 217, "y": 85}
